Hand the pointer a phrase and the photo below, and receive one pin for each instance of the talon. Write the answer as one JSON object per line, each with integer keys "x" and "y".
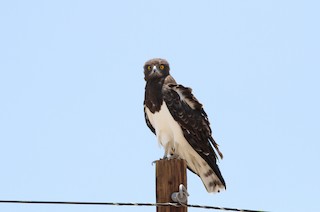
{"x": 172, "y": 156}
{"x": 153, "y": 162}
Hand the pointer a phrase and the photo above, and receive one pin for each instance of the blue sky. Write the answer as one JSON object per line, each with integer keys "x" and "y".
{"x": 72, "y": 88}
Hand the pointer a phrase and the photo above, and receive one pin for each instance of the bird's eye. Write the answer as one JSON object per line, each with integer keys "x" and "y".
{"x": 149, "y": 68}
{"x": 161, "y": 67}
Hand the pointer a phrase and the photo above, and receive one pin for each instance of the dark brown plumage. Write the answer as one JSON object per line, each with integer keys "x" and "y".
{"x": 181, "y": 125}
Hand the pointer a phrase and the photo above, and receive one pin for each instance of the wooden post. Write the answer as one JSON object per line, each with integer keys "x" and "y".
{"x": 169, "y": 175}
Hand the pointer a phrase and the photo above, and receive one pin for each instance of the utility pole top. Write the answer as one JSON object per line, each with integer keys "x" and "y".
{"x": 170, "y": 174}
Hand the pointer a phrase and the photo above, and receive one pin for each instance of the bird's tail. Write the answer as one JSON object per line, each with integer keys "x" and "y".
{"x": 210, "y": 179}
{"x": 209, "y": 173}
{"x": 203, "y": 165}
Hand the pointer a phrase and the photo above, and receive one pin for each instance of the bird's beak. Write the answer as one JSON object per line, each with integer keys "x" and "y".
{"x": 154, "y": 69}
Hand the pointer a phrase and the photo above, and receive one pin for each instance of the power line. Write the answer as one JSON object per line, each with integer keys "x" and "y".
{"x": 126, "y": 204}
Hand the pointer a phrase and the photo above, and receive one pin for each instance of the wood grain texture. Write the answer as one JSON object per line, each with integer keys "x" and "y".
{"x": 169, "y": 175}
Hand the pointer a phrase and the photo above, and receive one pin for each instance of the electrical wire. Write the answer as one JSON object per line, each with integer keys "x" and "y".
{"x": 126, "y": 204}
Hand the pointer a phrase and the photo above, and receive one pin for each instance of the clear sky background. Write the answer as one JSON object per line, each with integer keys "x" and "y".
{"x": 72, "y": 88}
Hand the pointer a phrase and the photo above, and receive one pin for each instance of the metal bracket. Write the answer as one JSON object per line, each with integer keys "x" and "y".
{"x": 181, "y": 196}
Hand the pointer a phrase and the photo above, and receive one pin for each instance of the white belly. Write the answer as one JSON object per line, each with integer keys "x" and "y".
{"x": 170, "y": 136}
{"x": 167, "y": 129}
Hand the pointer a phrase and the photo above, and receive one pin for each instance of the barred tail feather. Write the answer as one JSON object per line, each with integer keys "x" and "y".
{"x": 210, "y": 175}
{"x": 210, "y": 179}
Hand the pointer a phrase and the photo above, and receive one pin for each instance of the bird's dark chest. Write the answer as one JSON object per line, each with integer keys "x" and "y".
{"x": 153, "y": 95}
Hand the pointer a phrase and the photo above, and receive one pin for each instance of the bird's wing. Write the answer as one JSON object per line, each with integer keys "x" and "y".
{"x": 189, "y": 113}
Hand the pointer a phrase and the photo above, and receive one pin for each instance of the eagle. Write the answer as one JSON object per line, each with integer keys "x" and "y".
{"x": 180, "y": 124}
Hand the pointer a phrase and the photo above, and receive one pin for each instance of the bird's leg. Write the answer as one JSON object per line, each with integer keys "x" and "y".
{"x": 167, "y": 151}
{"x": 174, "y": 155}
{"x": 170, "y": 154}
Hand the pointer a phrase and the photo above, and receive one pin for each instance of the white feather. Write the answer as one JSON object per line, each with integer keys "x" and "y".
{"x": 183, "y": 98}
{"x": 169, "y": 133}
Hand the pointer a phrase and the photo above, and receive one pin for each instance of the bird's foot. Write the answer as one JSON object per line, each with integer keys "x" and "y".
{"x": 167, "y": 157}
{"x": 171, "y": 156}
{"x": 153, "y": 162}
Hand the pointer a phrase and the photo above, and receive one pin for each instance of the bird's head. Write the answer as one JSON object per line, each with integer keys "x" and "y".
{"x": 155, "y": 69}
